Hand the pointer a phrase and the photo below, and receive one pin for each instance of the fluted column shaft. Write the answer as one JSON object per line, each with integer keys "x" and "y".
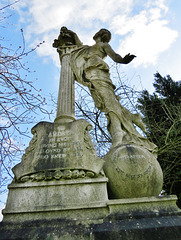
{"x": 66, "y": 95}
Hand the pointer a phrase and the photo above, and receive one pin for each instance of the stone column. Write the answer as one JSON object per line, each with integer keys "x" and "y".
{"x": 66, "y": 95}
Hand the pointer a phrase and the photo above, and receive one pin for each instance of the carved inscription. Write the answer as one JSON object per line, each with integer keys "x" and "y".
{"x": 59, "y": 151}
{"x": 58, "y": 145}
{"x": 134, "y": 176}
{"x": 132, "y": 165}
{"x": 128, "y": 157}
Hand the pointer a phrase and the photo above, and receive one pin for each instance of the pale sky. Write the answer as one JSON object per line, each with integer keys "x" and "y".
{"x": 149, "y": 29}
{"x": 143, "y": 27}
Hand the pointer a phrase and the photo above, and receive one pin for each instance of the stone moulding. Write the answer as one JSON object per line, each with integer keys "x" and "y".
{"x": 82, "y": 199}
{"x": 57, "y": 199}
{"x": 58, "y": 175}
{"x": 108, "y": 221}
{"x": 153, "y": 205}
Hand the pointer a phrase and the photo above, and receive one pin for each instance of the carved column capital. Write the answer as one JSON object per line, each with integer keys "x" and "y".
{"x": 65, "y": 50}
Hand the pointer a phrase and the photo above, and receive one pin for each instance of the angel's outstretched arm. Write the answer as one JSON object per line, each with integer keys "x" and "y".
{"x": 116, "y": 57}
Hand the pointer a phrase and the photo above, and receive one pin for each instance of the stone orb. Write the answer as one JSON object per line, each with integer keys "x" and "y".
{"x": 132, "y": 172}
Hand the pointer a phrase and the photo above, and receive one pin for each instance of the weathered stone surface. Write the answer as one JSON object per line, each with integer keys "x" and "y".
{"x": 132, "y": 172}
{"x": 89, "y": 68}
{"x": 139, "y": 229}
{"x": 86, "y": 62}
{"x": 59, "y": 190}
{"x": 158, "y": 219}
{"x": 67, "y": 41}
{"x": 66, "y": 95}
{"x": 59, "y": 151}
{"x": 70, "y": 199}
{"x": 59, "y": 176}
{"x": 145, "y": 206}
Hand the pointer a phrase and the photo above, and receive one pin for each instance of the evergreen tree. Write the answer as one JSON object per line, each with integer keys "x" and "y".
{"x": 162, "y": 116}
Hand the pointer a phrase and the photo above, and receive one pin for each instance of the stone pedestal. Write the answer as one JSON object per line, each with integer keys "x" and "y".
{"x": 69, "y": 199}
{"x": 59, "y": 176}
{"x": 59, "y": 151}
{"x": 150, "y": 218}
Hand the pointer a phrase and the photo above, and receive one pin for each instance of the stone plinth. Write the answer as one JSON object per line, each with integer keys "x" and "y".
{"x": 152, "y": 206}
{"x": 129, "y": 219}
{"x": 70, "y": 199}
{"x": 59, "y": 151}
{"x": 59, "y": 175}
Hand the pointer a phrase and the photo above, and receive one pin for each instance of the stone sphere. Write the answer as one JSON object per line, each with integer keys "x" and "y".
{"x": 132, "y": 172}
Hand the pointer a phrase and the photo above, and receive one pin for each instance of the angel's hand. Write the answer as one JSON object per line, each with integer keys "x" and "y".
{"x": 128, "y": 58}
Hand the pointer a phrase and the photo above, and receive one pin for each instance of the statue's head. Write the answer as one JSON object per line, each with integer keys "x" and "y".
{"x": 104, "y": 34}
{"x": 63, "y": 29}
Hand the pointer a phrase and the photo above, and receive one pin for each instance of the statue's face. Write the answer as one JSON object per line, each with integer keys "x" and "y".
{"x": 63, "y": 29}
{"x": 103, "y": 34}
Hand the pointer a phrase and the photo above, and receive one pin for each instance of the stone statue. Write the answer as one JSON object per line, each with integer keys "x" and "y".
{"x": 130, "y": 165}
{"x": 66, "y": 38}
{"x": 60, "y": 175}
{"x": 90, "y": 70}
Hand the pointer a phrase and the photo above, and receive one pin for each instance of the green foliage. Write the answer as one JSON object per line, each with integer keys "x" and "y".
{"x": 162, "y": 116}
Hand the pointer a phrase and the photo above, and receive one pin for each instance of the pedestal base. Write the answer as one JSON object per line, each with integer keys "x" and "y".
{"x": 70, "y": 199}
{"x": 149, "y": 218}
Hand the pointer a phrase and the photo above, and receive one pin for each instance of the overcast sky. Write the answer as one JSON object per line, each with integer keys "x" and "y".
{"x": 149, "y": 29}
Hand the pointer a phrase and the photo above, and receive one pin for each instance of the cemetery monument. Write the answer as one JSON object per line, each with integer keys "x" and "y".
{"x": 61, "y": 178}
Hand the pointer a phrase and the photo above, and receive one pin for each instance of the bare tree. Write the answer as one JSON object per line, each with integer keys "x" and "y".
{"x": 19, "y": 100}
